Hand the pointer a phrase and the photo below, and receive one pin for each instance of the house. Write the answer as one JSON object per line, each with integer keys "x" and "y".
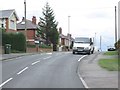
{"x": 65, "y": 41}
{"x": 31, "y": 27}
{"x": 8, "y": 20}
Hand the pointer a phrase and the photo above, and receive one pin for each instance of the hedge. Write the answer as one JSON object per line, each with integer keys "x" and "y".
{"x": 17, "y": 41}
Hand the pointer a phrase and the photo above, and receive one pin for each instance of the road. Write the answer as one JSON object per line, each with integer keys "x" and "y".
{"x": 47, "y": 70}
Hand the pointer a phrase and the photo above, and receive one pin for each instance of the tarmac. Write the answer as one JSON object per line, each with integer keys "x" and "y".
{"x": 93, "y": 75}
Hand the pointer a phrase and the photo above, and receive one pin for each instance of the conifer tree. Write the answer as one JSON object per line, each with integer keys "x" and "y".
{"x": 48, "y": 26}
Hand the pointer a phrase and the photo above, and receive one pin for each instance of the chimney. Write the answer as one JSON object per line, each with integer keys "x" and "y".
{"x": 69, "y": 35}
{"x": 60, "y": 30}
{"x": 34, "y": 20}
{"x": 23, "y": 19}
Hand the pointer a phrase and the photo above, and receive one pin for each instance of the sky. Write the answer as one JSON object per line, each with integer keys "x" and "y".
{"x": 88, "y": 18}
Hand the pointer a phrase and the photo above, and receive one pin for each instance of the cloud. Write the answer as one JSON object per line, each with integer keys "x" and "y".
{"x": 98, "y": 15}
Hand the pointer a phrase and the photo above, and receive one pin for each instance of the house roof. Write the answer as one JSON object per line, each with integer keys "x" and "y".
{"x": 29, "y": 25}
{"x": 62, "y": 36}
{"x": 66, "y": 37}
{"x": 8, "y": 13}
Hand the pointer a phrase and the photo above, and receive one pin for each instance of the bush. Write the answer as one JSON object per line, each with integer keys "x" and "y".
{"x": 117, "y": 44}
{"x": 31, "y": 46}
{"x": 17, "y": 41}
{"x": 44, "y": 46}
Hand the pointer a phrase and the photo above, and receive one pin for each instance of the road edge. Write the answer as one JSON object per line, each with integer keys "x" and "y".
{"x": 80, "y": 77}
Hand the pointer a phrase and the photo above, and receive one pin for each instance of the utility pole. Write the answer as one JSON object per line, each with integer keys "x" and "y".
{"x": 95, "y": 40}
{"x": 100, "y": 43}
{"x": 115, "y": 26}
{"x": 25, "y": 22}
{"x": 68, "y": 32}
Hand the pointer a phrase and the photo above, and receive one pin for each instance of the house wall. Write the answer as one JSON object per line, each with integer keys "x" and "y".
{"x": 7, "y": 25}
{"x": 12, "y": 22}
{"x": 66, "y": 42}
{"x": 62, "y": 41}
{"x": 30, "y": 35}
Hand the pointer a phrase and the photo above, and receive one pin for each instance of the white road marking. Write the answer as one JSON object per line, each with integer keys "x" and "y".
{"x": 82, "y": 80}
{"x": 49, "y": 53}
{"x": 47, "y": 57}
{"x": 35, "y": 62}
{"x": 82, "y": 57}
{"x": 84, "y": 83}
{"x": 22, "y": 70}
{"x": 6, "y": 82}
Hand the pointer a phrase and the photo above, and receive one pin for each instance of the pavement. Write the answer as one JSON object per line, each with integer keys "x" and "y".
{"x": 95, "y": 76}
{"x": 14, "y": 55}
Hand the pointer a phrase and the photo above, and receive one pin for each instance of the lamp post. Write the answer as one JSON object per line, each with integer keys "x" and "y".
{"x": 115, "y": 26}
{"x": 25, "y": 23}
{"x": 68, "y": 32}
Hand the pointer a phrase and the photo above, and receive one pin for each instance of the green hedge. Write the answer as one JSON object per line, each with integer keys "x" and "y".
{"x": 17, "y": 41}
{"x": 44, "y": 46}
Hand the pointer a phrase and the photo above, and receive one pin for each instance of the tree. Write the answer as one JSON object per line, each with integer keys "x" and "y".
{"x": 48, "y": 26}
{"x": 117, "y": 44}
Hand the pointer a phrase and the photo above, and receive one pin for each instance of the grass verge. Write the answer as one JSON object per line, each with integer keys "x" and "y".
{"x": 111, "y": 53}
{"x": 109, "y": 64}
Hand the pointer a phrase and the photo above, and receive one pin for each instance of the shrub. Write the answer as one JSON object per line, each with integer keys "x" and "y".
{"x": 44, "y": 46}
{"x": 17, "y": 41}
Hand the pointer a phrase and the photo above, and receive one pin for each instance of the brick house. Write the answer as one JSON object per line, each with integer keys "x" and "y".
{"x": 8, "y": 20}
{"x": 65, "y": 41}
{"x": 31, "y": 27}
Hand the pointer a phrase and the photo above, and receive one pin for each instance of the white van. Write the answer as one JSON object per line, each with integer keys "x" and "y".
{"x": 83, "y": 45}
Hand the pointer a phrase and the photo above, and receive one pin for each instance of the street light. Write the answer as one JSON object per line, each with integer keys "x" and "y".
{"x": 25, "y": 22}
{"x": 68, "y": 32}
{"x": 115, "y": 26}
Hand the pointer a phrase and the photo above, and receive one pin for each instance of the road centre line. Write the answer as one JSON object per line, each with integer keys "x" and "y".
{"x": 47, "y": 57}
{"x": 22, "y": 70}
{"x": 49, "y": 53}
{"x": 82, "y": 57}
{"x": 35, "y": 62}
{"x": 6, "y": 82}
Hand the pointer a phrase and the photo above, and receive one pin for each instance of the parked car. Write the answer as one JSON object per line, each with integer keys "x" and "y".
{"x": 111, "y": 48}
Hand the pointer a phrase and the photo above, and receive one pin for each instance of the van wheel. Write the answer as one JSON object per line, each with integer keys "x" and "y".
{"x": 73, "y": 52}
{"x": 89, "y": 53}
{"x": 92, "y": 52}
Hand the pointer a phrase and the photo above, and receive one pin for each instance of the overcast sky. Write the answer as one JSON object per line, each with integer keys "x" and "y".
{"x": 87, "y": 17}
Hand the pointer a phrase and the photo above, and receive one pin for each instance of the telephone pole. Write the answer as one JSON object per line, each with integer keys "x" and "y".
{"x": 68, "y": 32}
{"x": 115, "y": 26}
{"x": 100, "y": 43}
{"x": 25, "y": 22}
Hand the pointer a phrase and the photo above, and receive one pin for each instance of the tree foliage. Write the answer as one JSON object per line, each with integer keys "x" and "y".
{"x": 117, "y": 44}
{"x": 48, "y": 26}
{"x": 16, "y": 40}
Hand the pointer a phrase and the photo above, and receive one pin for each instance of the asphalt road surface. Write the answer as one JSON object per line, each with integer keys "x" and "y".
{"x": 47, "y": 70}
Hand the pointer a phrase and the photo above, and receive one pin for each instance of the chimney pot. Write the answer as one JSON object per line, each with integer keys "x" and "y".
{"x": 23, "y": 19}
{"x": 34, "y": 20}
{"x": 60, "y": 30}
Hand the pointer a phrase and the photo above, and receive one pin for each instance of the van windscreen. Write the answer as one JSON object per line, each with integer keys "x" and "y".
{"x": 82, "y": 40}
